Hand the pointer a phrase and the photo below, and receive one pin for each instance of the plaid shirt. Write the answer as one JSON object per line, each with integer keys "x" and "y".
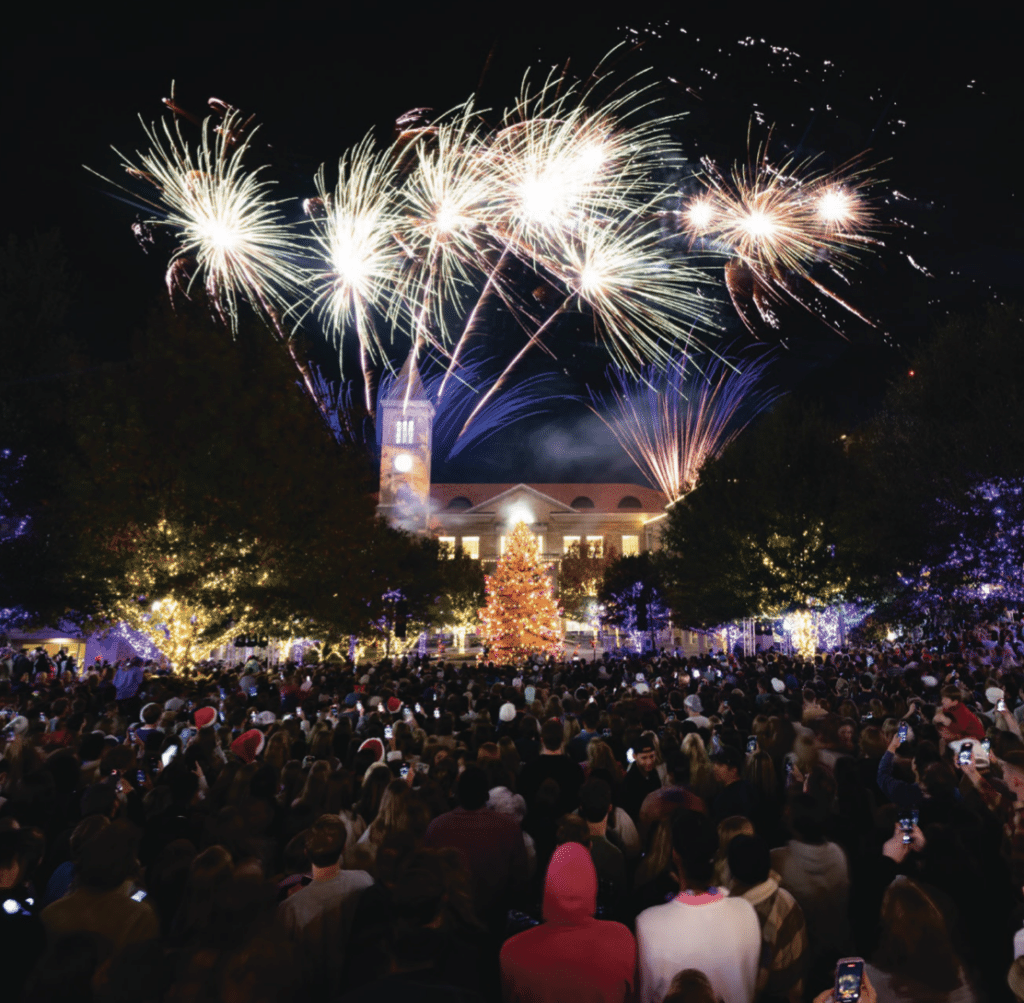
{"x": 783, "y": 937}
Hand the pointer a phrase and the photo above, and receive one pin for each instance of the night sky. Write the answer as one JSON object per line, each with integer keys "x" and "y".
{"x": 935, "y": 101}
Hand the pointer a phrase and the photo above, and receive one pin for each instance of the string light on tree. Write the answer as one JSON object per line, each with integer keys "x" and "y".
{"x": 521, "y": 617}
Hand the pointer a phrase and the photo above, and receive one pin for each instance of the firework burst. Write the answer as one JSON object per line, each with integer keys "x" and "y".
{"x": 672, "y": 421}
{"x": 359, "y": 261}
{"x": 778, "y": 222}
{"x": 230, "y": 234}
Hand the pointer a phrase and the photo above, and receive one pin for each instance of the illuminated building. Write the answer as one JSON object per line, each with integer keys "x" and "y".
{"x": 479, "y": 517}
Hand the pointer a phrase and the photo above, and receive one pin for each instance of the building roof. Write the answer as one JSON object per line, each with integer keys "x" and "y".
{"x": 408, "y": 386}
{"x": 606, "y": 497}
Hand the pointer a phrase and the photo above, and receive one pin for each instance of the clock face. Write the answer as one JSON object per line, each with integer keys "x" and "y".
{"x": 403, "y": 463}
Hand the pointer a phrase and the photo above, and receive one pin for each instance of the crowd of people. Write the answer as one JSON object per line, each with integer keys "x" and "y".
{"x": 651, "y": 828}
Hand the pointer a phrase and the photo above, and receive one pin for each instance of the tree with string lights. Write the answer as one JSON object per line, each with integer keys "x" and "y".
{"x": 521, "y": 617}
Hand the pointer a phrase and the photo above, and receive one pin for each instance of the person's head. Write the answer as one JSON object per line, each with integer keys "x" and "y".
{"x": 646, "y": 752}
{"x": 601, "y": 757}
{"x": 551, "y": 735}
{"x": 950, "y": 696}
{"x": 151, "y": 713}
{"x": 572, "y": 829}
{"x": 939, "y": 781}
{"x": 697, "y": 753}
{"x": 807, "y": 819}
{"x": 108, "y": 859}
{"x": 595, "y": 800}
{"x": 727, "y": 764}
{"x": 731, "y": 827}
{"x": 694, "y": 844}
{"x": 325, "y": 841}
{"x": 760, "y": 772}
{"x": 915, "y": 946}
{"x": 749, "y": 860}
{"x": 471, "y": 788}
{"x": 691, "y": 986}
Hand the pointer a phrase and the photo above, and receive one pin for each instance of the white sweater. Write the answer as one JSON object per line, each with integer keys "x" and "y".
{"x": 722, "y": 939}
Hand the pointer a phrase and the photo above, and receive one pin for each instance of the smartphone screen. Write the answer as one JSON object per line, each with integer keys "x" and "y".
{"x": 849, "y": 975}
{"x": 907, "y": 829}
{"x": 902, "y": 731}
{"x": 437, "y": 713}
{"x": 1001, "y": 706}
{"x": 404, "y": 771}
{"x": 138, "y": 896}
{"x": 389, "y": 732}
{"x": 168, "y": 754}
{"x": 966, "y": 756}
{"x": 140, "y": 777}
{"x": 630, "y": 758}
{"x": 752, "y": 744}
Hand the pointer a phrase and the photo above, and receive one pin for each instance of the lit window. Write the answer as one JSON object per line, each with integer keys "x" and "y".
{"x": 471, "y": 547}
{"x": 501, "y": 545}
{"x": 540, "y": 544}
{"x": 447, "y": 546}
{"x": 568, "y": 542}
{"x": 595, "y": 546}
{"x": 630, "y": 546}
{"x": 404, "y": 432}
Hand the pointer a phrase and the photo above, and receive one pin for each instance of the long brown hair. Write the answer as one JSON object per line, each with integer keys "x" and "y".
{"x": 915, "y": 947}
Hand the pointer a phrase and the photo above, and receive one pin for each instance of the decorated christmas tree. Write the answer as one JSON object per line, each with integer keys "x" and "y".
{"x": 521, "y": 616}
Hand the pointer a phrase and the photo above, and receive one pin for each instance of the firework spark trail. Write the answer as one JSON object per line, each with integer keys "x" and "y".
{"x": 453, "y": 396}
{"x": 671, "y": 423}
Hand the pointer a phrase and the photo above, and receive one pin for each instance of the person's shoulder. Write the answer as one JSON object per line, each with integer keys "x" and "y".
{"x": 654, "y": 916}
{"x": 357, "y": 879}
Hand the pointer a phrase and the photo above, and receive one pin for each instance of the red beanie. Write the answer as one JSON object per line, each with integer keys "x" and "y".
{"x": 394, "y": 705}
{"x": 374, "y": 745}
{"x": 248, "y": 745}
{"x": 204, "y": 717}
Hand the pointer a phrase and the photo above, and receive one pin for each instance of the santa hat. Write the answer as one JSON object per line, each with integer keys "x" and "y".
{"x": 394, "y": 705}
{"x": 204, "y": 717}
{"x": 374, "y": 745}
{"x": 248, "y": 745}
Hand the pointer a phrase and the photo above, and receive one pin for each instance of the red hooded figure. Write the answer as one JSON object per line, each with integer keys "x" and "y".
{"x": 571, "y": 955}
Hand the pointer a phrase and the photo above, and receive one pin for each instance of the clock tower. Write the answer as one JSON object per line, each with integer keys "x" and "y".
{"x": 407, "y": 422}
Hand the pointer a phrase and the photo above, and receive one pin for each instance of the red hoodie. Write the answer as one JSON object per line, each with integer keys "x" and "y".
{"x": 571, "y": 956}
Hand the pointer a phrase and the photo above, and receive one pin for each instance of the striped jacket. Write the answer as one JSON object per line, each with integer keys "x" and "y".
{"x": 783, "y": 937}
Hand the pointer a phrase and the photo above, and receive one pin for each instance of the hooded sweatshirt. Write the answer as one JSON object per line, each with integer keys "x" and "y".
{"x": 816, "y": 875}
{"x": 571, "y": 955}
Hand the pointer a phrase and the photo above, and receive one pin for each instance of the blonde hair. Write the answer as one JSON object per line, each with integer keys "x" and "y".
{"x": 702, "y": 779}
{"x": 658, "y": 856}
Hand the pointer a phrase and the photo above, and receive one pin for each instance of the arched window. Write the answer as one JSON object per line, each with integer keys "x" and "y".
{"x": 583, "y": 502}
{"x": 459, "y": 504}
{"x": 630, "y": 502}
